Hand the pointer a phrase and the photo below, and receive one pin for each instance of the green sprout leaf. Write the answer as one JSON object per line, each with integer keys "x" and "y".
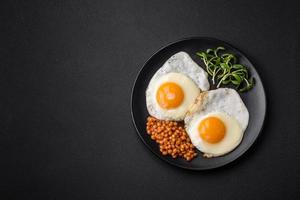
{"x": 224, "y": 69}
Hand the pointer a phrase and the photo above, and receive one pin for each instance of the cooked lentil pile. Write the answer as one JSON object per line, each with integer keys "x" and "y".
{"x": 171, "y": 137}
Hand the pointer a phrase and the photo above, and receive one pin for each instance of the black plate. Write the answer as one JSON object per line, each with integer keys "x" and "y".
{"x": 254, "y": 99}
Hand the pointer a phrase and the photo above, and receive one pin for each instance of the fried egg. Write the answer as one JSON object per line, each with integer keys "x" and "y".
{"x": 216, "y": 122}
{"x": 174, "y": 87}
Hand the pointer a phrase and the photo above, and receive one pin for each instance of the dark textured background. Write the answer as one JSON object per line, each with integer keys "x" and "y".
{"x": 66, "y": 72}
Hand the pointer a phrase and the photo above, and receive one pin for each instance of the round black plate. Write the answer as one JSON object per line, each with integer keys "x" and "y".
{"x": 254, "y": 99}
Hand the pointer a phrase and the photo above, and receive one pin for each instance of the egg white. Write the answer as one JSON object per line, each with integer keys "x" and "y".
{"x": 189, "y": 88}
{"x": 179, "y": 63}
{"x": 223, "y": 100}
{"x": 182, "y": 63}
{"x": 231, "y": 140}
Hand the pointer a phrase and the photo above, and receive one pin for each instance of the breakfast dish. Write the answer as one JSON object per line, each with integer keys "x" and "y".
{"x": 215, "y": 120}
{"x": 198, "y": 102}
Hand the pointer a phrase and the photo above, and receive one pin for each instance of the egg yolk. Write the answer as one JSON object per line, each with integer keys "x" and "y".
{"x": 212, "y": 130}
{"x": 169, "y": 95}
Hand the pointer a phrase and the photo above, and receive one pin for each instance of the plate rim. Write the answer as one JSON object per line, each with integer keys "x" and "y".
{"x": 242, "y": 152}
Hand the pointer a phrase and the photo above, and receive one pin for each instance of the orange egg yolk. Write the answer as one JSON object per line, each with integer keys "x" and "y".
{"x": 169, "y": 95}
{"x": 212, "y": 130}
